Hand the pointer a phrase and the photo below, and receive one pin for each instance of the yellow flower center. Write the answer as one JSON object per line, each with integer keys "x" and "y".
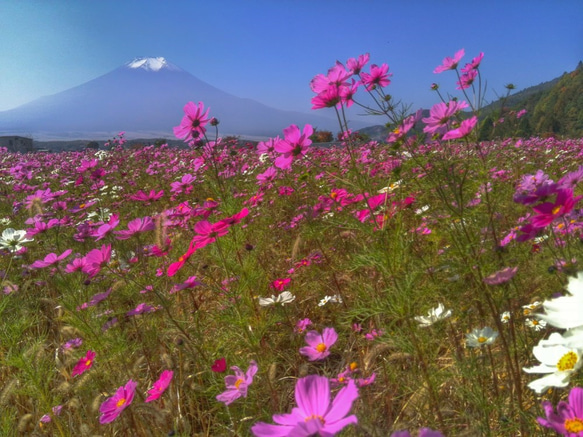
{"x": 574, "y": 425}
{"x": 567, "y": 361}
{"x": 556, "y": 209}
{"x": 353, "y": 366}
{"x": 397, "y": 131}
{"x": 238, "y": 383}
{"x": 534, "y": 322}
{"x": 121, "y": 402}
{"x": 334, "y": 195}
{"x": 87, "y": 363}
{"x": 482, "y": 339}
{"x": 82, "y": 205}
{"x": 321, "y": 347}
{"x": 314, "y": 416}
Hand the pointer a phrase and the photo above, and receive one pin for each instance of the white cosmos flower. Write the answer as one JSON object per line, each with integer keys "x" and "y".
{"x": 505, "y": 317}
{"x": 12, "y": 240}
{"x": 481, "y": 337}
{"x": 537, "y": 325}
{"x": 565, "y": 312}
{"x": 434, "y": 315}
{"x": 283, "y": 298}
{"x": 335, "y": 299}
{"x": 558, "y": 361}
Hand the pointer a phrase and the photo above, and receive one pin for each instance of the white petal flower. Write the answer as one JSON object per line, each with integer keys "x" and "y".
{"x": 434, "y": 315}
{"x": 537, "y": 325}
{"x": 481, "y": 337}
{"x": 505, "y": 317}
{"x": 557, "y": 361}
{"x": 283, "y": 298}
{"x": 565, "y": 312}
{"x": 12, "y": 240}
{"x": 334, "y": 299}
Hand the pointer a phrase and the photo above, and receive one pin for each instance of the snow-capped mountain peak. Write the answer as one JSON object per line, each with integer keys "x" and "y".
{"x": 152, "y": 64}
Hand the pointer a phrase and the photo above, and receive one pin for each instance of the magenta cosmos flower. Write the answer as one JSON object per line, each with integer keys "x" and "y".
{"x": 192, "y": 125}
{"x": 50, "y": 259}
{"x": 377, "y": 76}
{"x": 84, "y": 363}
{"x": 319, "y": 345}
{"x": 464, "y": 129}
{"x": 568, "y": 420}
{"x": 237, "y": 384}
{"x": 160, "y": 386}
{"x": 294, "y": 145}
{"x": 450, "y": 63}
{"x": 440, "y": 115}
{"x": 114, "y": 405}
{"x": 314, "y": 415}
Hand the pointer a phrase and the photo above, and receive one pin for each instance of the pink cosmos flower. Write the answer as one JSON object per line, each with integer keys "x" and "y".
{"x": 328, "y": 98}
{"x": 192, "y": 125}
{"x": 293, "y": 146}
{"x": 404, "y": 127}
{"x": 466, "y": 80}
{"x": 521, "y": 113}
{"x": 113, "y": 406}
{"x": 336, "y": 77}
{"x": 160, "y": 386}
{"x": 106, "y": 228}
{"x": 474, "y": 64}
{"x": 84, "y": 363}
{"x": 140, "y": 196}
{"x": 302, "y": 325}
{"x": 568, "y": 420}
{"x": 377, "y": 76}
{"x": 136, "y": 226}
{"x": 50, "y": 259}
{"x": 463, "y": 130}
{"x": 356, "y": 65}
{"x": 267, "y": 176}
{"x": 449, "y": 63}
{"x": 440, "y": 115}
{"x": 315, "y": 414}
{"x": 319, "y": 344}
{"x": 238, "y": 383}
{"x": 280, "y": 284}
{"x": 142, "y": 308}
{"x": 96, "y": 259}
{"x": 220, "y": 365}
{"x": 267, "y": 147}
{"x": 501, "y": 276}
{"x": 548, "y": 212}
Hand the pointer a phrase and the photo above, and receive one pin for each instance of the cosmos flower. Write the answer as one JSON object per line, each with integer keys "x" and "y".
{"x": 84, "y": 363}
{"x": 12, "y": 240}
{"x": 192, "y": 125}
{"x": 319, "y": 344}
{"x": 568, "y": 420}
{"x": 558, "y": 362}
{"x": 481, "y": 337}
{"x": 237, "y": 384}
{"x": 160, "y": 385}
{"x": 315, "y": 414}
{"x": 434, "y": 315}
{"x": 111, "y": 408}
{"x": 283, "y": 298}
{"x": 450, "y": 63}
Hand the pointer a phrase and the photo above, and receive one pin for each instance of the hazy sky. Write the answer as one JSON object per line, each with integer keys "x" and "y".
{"x": 269, "y": 50}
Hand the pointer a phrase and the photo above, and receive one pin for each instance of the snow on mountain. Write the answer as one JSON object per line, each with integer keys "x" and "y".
{"x": 146, "y": 97}
{"x": 152, "y": 64}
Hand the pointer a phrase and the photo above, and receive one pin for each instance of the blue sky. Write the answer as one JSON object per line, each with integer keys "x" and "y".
{"x": 269, "y": 50}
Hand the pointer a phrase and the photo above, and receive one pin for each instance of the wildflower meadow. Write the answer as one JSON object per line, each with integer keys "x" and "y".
{"x": 423, "y": 285}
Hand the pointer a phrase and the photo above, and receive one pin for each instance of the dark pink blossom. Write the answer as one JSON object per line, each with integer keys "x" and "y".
{"x": 160, "y": 385}
{"x": 136, "y": 226}
{"x": 193, "y": 123}
{"x": 450, "y": 63}
{"x": 319, "y": 344}
{"x": 113, "y": 406}
{"x": 84, "y": 363}
{"x": 50, "y": 259}
{"x": 377, "y": 76}
{"x": 294, "y": 145}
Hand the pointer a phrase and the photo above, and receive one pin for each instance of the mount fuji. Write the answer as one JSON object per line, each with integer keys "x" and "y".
{"x": 145, "y": 98}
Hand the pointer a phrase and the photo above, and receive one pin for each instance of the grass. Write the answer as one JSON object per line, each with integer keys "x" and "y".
{"x": 395, "y": 264}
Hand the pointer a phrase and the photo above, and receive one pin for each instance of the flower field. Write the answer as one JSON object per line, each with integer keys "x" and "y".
{"x": 425, "y": 285}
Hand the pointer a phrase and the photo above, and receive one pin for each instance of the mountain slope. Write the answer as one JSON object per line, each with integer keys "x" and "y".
{"x": 146, "y": 96}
